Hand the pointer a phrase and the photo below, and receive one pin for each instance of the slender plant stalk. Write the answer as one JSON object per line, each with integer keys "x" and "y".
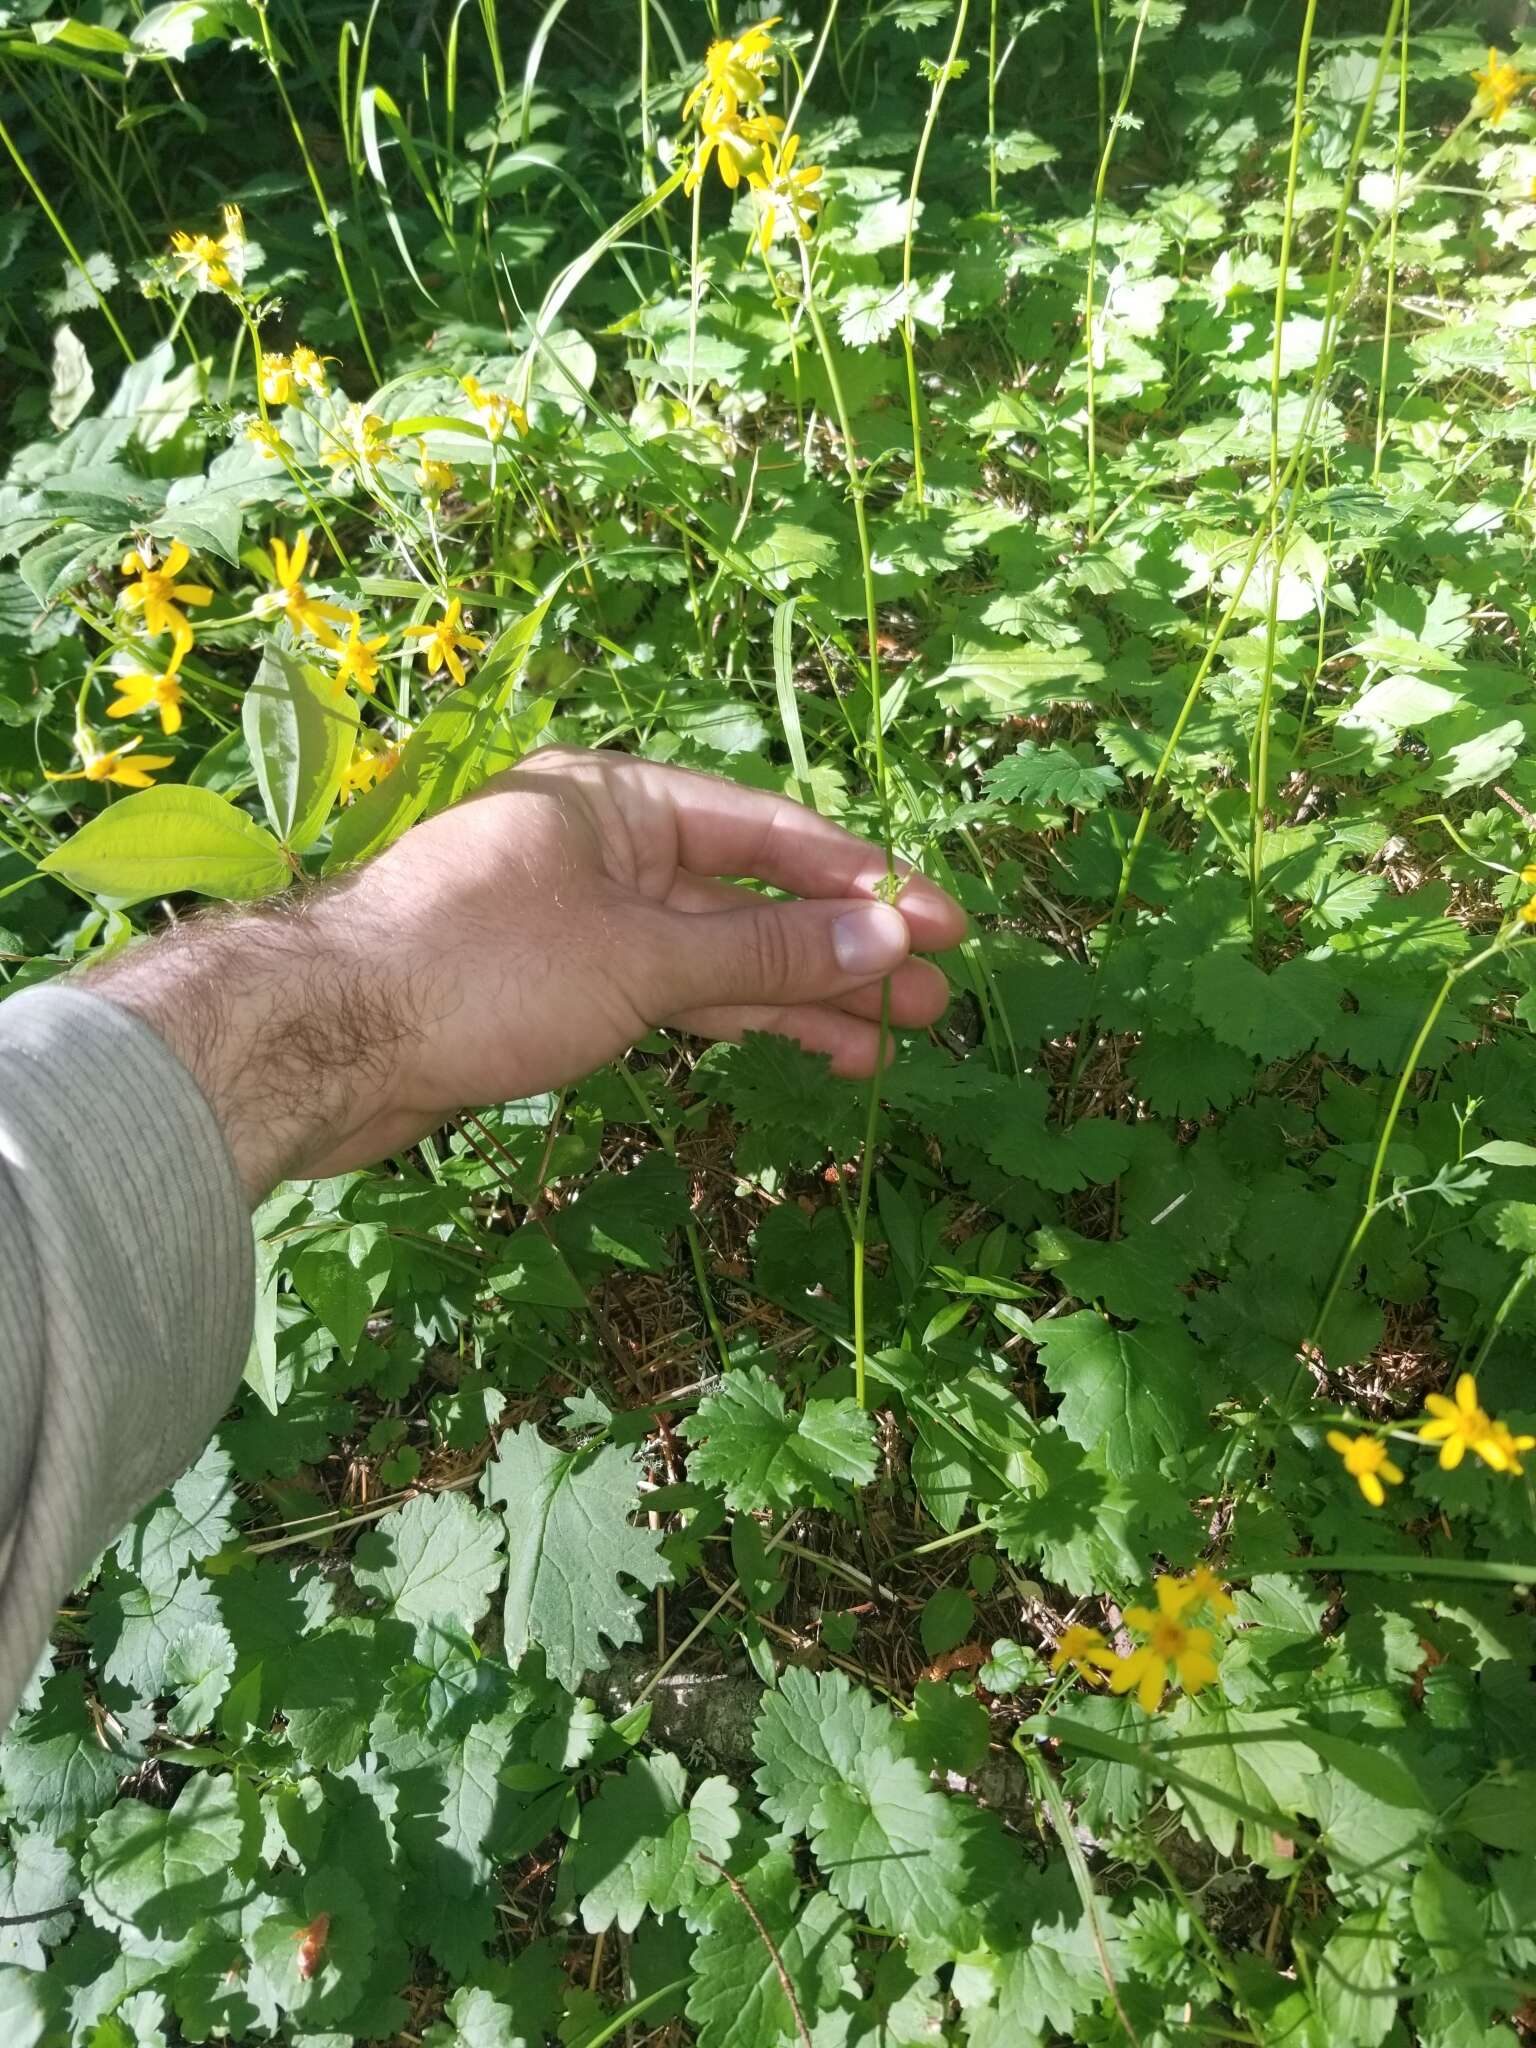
{"x": 992, "y": 108}
{"x": 1258, "y": 779}
{"x": 1379, "y": 1160}
{"x": 63, "y": 234}
{"x": 1397, "y": 186}
{"x": 1106, "y": 151}
{"x": 856, "y": 489}
{"x": 908, "y": 325}
{"x": 269, "y": 51}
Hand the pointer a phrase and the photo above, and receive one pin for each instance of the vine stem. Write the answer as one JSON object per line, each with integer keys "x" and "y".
{"x": 856, "y": 489}
{"x": 1106, "y": 151}
{"x": 908, "y": 324}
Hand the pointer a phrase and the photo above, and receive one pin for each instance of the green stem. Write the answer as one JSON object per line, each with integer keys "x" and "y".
{"x": 908, "y": 325}
{"x": 1106, "y": 151}
{"x": 1512, "y": 1294}
{"x": 270, "y": 53}
{"x": 1397, "y": 185}
{"x": 992, "y": 108}
{"x": 1258, "y": 796}
{"x": 856, "y": 489}
{"x": 63, "y": 234}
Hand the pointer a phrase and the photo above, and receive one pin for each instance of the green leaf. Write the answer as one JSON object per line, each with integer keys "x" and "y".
{"x": 321, "y": 1979}
{"x": 162, "y": 1870}
{"x": 640, "y": 1844}
{"x": 436, "y": 1557}
{"x": 1134, "y": 1393}
{"x": 570, "y": 1546}
{"x": 945, "y": 1620}
{"x": 166, "y": 841}
{"x": 759, "y": 1456}
{"x": 341, "y": 1274}
{"x": 737, "y": 1998}
{"x": 892, "y": 1849}
{"x": 300, "y": 728}
{"x": 37, "y": 1894}
{"x": 1049, "y": 777}
{"x": 1234, "y": 1764}
{"x": 1356, "y": 1987}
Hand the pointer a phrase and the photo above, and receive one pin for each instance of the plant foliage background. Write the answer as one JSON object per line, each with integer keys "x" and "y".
{"x": 707, "y": 1557}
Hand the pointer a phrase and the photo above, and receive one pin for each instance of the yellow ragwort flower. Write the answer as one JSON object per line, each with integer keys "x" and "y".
{"x": 360, "y": 442}
{"x": 1498, "y": 87}
{"x": 1202, "y": 1588}
{"x": 1170, "y": 1647}
{"x": 736, "y": 74}
{"x": 435, "y": 476}
{"x": 1366, "y": 1461}
{"x": 738, "y": 148}
{"x": 786, "y": 197}
{"x": 123, "y": 765}
{"x": 357, "y": 659}
{"x": 1457, "y": 1425}
{"x": 215, "y": 264}
{"x": 494, "y": 410}
{"x": 271, "y": 443}
{"x": 372, "y": 759}
{"x": 156, "y": 593}
{"x": 444, "y": 640}
{"x": 1084, "y": 1651}
{"x": 1528, "y": 873}
{"x": 1502, "y": 1448}
{"x": 1527, "y": 911}
{"x": 276, "y": 373}
{"x": 305, "y": 613}
{"x": 141, "y": 691}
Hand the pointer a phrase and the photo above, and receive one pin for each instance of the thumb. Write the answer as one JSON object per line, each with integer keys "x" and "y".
{"x": 772, "y": 953}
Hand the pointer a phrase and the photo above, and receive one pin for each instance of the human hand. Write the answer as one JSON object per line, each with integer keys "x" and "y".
{"x": 516, "y": 942}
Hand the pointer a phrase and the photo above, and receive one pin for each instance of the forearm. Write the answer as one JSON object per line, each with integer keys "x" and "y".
{"x": 125, "y": 1292}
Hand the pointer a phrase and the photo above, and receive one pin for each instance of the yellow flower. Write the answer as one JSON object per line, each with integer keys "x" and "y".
{"x": 215, "y": 265}
{"x": 1458, "y": 1425}
{"x": 435, "y": 476}
{"x": 1202, "y": 1588}
{"x": 309, "y": 371}
{"x": 787, "y": 198}
{"x": 1084, "y": 1651}
{"x": 306, "y": 614}
{"x": 112, "y": 764}
{"x": 736, "y": 73}
{"x": 1366, "y": 1461}
{"x": 158, "y": 595}
{"x": 494, "y": 410}
{"x": 1528, "y": 911}
{"x": 1528, "y": 874}
{"x": 1498, "y": 87}
{"x": 444, "y": 640}
{"x": 361, "y": 441}
{"x": 739, "y": 148}
{"x": 271, "y": 443}
{"x": 276, "y": 378}
{"x": 141, "y": 691}
{"x": 1169, "y": 1644}
{"x": 1502, "y": 1448}
{"x": 372, "y": 759}
{"x": 357, "y": 660}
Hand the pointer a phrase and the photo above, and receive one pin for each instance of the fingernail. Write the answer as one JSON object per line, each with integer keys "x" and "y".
{"x": 871, "y": 940}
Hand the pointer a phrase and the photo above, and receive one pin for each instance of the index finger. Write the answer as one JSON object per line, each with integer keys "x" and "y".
{"x": 724, "y": 828}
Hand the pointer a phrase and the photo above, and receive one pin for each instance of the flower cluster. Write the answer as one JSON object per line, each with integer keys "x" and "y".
{"x": 744, "y": 141}
{"x": 1499, "y": 87}
{"x": 156, "y": 597}
{"x": 213, "y": 263}
{"x": 1458, "y": 1423}
{"x": 1170, "y": 1647}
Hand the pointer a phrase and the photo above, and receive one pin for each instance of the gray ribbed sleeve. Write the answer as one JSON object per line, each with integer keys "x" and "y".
{"x": 125, "y": 1292}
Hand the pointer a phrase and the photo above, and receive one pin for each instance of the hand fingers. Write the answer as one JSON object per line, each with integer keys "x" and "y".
{"x": 919, "y": 991}
{"x": 848, "y": 1042}
{"x": 764, "y": 954}
{"x": 723, "y": 828}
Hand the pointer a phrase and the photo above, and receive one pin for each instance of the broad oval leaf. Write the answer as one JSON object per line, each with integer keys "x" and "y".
{"x": 167, "y": 842}
{"x": 300, "y": 729}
